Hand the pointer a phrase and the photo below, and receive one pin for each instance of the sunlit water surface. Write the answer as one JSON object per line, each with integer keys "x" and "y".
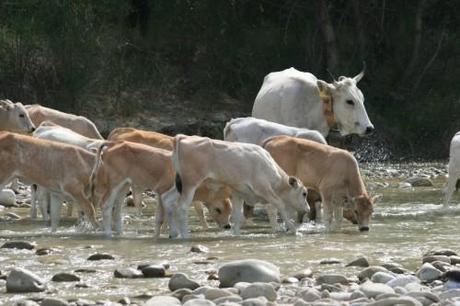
{"x": 407, "y": 223}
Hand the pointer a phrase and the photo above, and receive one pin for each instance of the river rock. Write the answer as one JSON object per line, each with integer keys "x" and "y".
{"x": 402, "y": 281}
{"x": 127, "y": 273}
{"x": 163, "y": 301}
{"x": 395, "y": 268}
{"x": 101, "y": 256}
{"x": 165, "y": 264}
{"x": 21, "y": 280}
{"x": 54, "y": 302}
{"x": 358, "y": 262}
{"x": 65, "y": 277}
{"x": 441, "y": 265}
{"x": 199, "y": 302}
{"x": 27, "y": 303}
{"x": 259, "y": 301}
{"x": 7, "y": 198}
{"x": 259, "y": 289}
{"x": 12, "y": 216}
{"x": 154, "y": 271}
{"x": 20, "y": 245}
{"x": 382, "y": 277}
{"x": 432, "y": 258}
{"x": 332, "y": 279}
{"x": 418, "y": 181}
{"x": 450, "y": 294}
{"x": 124, "y": 301}
{"x": 228, "y": 299}
{"x": 215, "y": 293}
{"x": 309, "y": 294}
{"x": 289, "y": 280}
{"x": 43, "y": 251}
{"x": 357, "y": 294}
{"x": 199, "y": 249}
{"x": 428, "y": 273}
{"x": 371, "y": 290}
{"x": 368, "y": 272}
{"x": 303, "y": 273}
{"x": 426, "y": 298}
{"x": 330, "y": 261}
{"x": 250, "y": 270}
{"x": 181, "y": 280}
{"x": 180, "y": 293}
{"x": 192, "y": 296}
{"x": 454, "y": 260}
{"x": 445, "y": 252}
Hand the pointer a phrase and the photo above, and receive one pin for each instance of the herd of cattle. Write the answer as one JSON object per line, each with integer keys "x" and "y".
{"x": 270, "y": 158}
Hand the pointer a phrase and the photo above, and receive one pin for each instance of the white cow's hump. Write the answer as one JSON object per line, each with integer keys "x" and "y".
{"x": 290, "y": 74}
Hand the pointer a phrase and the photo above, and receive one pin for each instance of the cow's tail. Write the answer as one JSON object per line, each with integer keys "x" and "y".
{"x": 97, "y": 165}
{"x": 176, "y": 161}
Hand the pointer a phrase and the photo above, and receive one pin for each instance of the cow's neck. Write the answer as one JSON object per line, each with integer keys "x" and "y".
{"x": 328, "y": 109}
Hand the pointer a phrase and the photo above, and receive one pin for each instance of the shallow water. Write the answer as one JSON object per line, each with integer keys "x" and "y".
{"x": 406, "y": 224}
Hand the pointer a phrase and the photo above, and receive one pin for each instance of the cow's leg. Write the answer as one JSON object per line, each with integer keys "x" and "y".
{"x": 248, "y": 213}
{"x": 43, "y": 197}
{"x": 55, "y": 210}
{"x": 166, "y": 205}
{"x": 137, "y": 199}
{"x": 451, "y": 182}
{"x": 86, "y": 206}
{"x": 318, "y": 211}
{"x": 272, "y": 213}
{"x": 118, "y": 208}
{"x": 33, "y": 201}
{"x": 200, "y": 213}
{"x": 284, "y": 215}
{"x": 183, "y": 205}
{"x": 237, "y": 213}
{"x": 69, "y": 209}
{"x": 327, "y": 212}
{"x": 338, "y": 214}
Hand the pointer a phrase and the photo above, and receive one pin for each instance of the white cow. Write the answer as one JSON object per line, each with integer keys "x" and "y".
{"x": 453, "y": 168}
{"x": 14, "y": 118}
{"x": 256, "y": 131}
{"x": 296, "y": 98}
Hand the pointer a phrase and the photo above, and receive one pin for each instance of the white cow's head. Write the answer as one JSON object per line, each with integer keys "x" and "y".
{"x": 348, "y": 105}
{"x": 14, "y": 118}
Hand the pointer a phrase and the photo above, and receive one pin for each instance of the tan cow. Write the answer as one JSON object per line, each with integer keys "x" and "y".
{"x": 219, "y": 208}
{"x": 79, "y": 124}
{"x": 60, "y": 168}
{"x": 248, "y": 169}
{"x": 122, "y": 164}
{"x": 333, "y": 172}
{"x": 14, "y": 118}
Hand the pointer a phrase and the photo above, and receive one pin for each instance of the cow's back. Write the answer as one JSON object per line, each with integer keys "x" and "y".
{"x": 79, "y": 124}
{"x": 154, "y": 139}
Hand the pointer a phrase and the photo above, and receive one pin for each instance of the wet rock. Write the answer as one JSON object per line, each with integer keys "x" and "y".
{"x": 127, "y": 273}
{"x": 428, "y": 273}
{"x": 330, "y": 261}
{"x": 432, "y": 258}
{"x": 84, "y": 270}
{"x": 289, "y": 280}
{"x": 426, "y": 298}
{"x": 181, "y": 280}
{"x": 65, "y": 277}
{"x": 259, "y": 289}
{"x": 450, "y": 294}
{"x": 340, "y": 296}
{"x": 84, "y": 302}
{"x": 332, "y": 279}
{"x": 7, "y": 198}
{"x": 371, "y": 290}
{"x": 163, "y": 301}
{"x": 445, "y": 252}
{"x": 359, "y": 262}
{"x": 215, "y": 293}
{"x": 43, "y": 251}
{"x": 368, "y": 272}
{"x": 101, "y": 256}
{"x": 395, "y": 268}
{"x": 154, "y": 271}
{"x": 454, "y": 260}
{"x": 124, "y": 301}
{"x": 382, "y": 277}
{"x": 303, "y": 274}
{"x": 189, "y": 297}
{"x": 418, "y": 181}
{"x": 402, "y": 281}
{"x": 54, "y": 302}
{"x": 162, "y": 263}
{"x": 453, "y": 279}
{"x": 82, "y": 285}
{"x": 228, "y": 299}
{"x": 27, "y": 303}
{"x": 199, "y": 302}
{"x": 212, "y": 275}
{"x": 20, "y": 245}
{"x": 404, "y": 185}
{"x": 12, "y": 216}
{"x": 250, "y": 270}
{"x": 21, "y": 280}
{"x": 401, "y": 290}
{"x": 199, "y": 249}
{"x": 180, "y": 293}
{"x": 441, "y": 265}
{"x": 259, "y": 301}
{"x": 331, "y": 288}
{"x": 357, "y": 294}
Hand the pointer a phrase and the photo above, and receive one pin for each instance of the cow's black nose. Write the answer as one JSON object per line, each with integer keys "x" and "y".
{"x": 227, "y": 226}
{"x": 369, "y": 130}
{"x": 32, "y": 130}
{"x": 364, "y": 228}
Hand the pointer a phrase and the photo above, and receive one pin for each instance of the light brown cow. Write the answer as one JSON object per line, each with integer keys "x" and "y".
{"x": 219, "y": 207}
{"x": 79, "y": 124}
{"x": 248, "y": 169}
{"x": 121, "y": 164}
{"x": 60, "y": 168}
{"x": 333, "y": 172}
{"x": 14, "y": 118}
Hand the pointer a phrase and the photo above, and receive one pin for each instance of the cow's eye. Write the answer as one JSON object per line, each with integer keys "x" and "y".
{"x": 304, "y": 194}
{"x": 218, "y": 210}
{"x": 21, "y": 116}
{"x": 350, "y": 102}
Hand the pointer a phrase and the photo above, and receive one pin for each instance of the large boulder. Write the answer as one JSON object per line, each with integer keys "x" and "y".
{"x": 21, "y": 280}
{"x": 7, "y": 198}
{"x": 249, "y": 270}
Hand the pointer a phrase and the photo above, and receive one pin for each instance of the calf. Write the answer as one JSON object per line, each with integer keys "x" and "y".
{"x": 60, "y": 168}
{"x": 453, "y": 168}
{"x": 14, "y": 118}
{"x": 219, "y": 209}
{"x": 247, "y": 169}
{"x": 121, "y": 164}
{"x": 79, "y": 124}
{"x": 333, "y": 172}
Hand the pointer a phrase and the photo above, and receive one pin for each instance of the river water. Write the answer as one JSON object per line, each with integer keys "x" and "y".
{"x": 407, "y": 222}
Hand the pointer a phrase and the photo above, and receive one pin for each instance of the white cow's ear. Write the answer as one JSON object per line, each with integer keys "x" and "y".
{"x": 324, "y": 87}
{"x": 6, "y": 104}
{"x": 293, "y": 182}
{"x": 342, "y": 78}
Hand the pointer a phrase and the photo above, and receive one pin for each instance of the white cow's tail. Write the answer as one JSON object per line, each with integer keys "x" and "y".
{"x": 97, "y": 165}
{"x": 176, "y": 161}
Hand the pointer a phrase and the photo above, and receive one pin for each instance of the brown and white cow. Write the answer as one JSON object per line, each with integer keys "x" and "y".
{"x": 79, "y": 124}
{"x": 219, "y": 208}
{"x": 60, "y": 168}
{"x": 248, "y": 169}
{"x": 333, "y": 172}
{"x": 122, "y": 164}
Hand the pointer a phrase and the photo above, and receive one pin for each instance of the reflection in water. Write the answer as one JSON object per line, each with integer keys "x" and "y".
{"x": 407, "y": 223}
